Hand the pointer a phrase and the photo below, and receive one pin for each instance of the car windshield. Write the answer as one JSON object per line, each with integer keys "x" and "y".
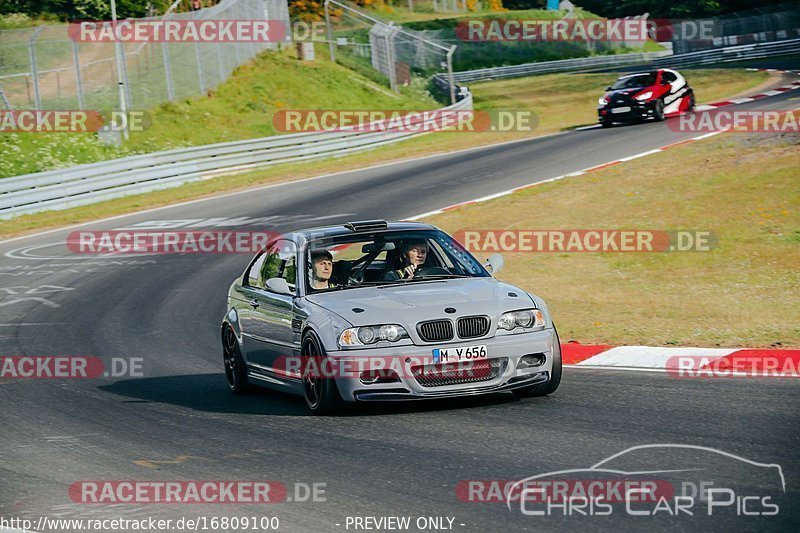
{"x": 638, "y": 80}
{"x": 387, "y": 258}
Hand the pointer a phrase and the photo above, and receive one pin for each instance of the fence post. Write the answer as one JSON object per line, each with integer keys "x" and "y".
{"x": 254, "y": 48}
{"x": 201, "y": 77}
{"x": 167, "y": 72}
{"x": 126, "y": 80}
{"x": 78, "y": 82}
{"x": 119, "y": 54}
{"x": 220, "y": 65}
{"x": 390, "y": 58}
{"x": 5, "y": 98}
{"x": 237, "y": 43}
{"x": 450, "y": 80}
{"x": 329, "y": 32}
{"x": 37, "y": 97}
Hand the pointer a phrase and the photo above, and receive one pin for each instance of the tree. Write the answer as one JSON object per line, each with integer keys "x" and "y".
{"x": 81, "y": 9}
{"x": 675, "y": 8}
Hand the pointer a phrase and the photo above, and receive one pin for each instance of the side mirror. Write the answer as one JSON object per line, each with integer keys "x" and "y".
{"x": 278, "y": 285}
{"x": 494, "y": 264}
{"x": 608, "y": 88}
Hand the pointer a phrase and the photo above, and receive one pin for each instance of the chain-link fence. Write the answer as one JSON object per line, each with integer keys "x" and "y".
{"x": 764, "y": 24}
{"x": 364, "y": 41}
{"x": 43, "y": 68}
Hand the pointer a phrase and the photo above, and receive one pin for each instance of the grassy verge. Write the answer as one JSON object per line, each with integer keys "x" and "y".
{"x": 565, "y": 100}
{"x": 241, "y": 108}
{"x": 744, "y": 292}
{"x": 423, "y": 11}
{"x": 574, "y": 105}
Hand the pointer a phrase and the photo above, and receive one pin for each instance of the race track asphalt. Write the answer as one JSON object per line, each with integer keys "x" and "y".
{"x": 179, "y": 422}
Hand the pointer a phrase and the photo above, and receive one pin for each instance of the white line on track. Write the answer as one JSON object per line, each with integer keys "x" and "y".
{"x": 562, "y": 176}
{"x": 312, "y": 178}
{"x": 13, "y": 325}
{"x": 281, "y": 184}
{"x": 675, "y": 371}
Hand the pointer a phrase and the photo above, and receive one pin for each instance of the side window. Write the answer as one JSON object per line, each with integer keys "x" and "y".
{"x": 280, "y": 262}
{"x": 270, "y": 267}
{"x": 253, "y": 275}
{"x": 668, "y": 77}
{"x": 290, "y": 271}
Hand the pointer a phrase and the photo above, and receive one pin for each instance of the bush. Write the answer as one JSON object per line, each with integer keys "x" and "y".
{"x": 15, "y": 20}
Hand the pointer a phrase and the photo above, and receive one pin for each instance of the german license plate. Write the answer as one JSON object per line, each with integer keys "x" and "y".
{"x": 624, "y": 109}
{"x": 460, "y": 354}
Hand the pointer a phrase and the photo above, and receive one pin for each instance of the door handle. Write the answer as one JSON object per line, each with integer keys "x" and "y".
{"x": 253, "y": 302}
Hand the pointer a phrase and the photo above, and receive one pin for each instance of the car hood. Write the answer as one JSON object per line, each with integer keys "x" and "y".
{"x": 630, "y": 91}
{"x": 409, "y": 303}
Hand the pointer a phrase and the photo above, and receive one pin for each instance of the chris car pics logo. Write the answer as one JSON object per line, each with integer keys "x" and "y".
{"x": 656, "y": 480}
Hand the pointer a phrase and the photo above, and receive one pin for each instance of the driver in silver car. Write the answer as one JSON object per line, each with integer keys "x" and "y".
{"x": 412, "y": 256}
{"x": 321, "y": 269}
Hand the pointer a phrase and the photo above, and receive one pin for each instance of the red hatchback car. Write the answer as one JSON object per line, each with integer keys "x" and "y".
{"x": 636, "y": 97}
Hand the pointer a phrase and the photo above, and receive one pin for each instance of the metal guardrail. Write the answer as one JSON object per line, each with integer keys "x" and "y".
{"x": 561, "y": 65}
{"x": 95, "y": 182}
{"x": 85, "y": 184}
{"x": 657, "y": 59}
{"x": 731, "y": 53}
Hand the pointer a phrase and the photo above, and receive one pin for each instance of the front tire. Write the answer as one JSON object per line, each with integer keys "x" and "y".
{"x": 550, "y": 386}
{"x": 235, "y": 367}
{"x": 658, "y": 111}
{"x": 320, "y": 392}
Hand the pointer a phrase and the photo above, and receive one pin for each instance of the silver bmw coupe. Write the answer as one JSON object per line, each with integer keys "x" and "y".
{"x": 373, "y": 310}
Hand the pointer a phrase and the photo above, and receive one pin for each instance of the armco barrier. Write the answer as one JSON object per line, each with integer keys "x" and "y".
{"x": 95, "y": 182}
{"x": 656, "y": 59}
{"x": 561, "y": 65}
{"x": 730, "y": 54}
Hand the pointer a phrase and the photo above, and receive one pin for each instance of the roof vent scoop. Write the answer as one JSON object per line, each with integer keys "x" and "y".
{"x": 367, "y": 225}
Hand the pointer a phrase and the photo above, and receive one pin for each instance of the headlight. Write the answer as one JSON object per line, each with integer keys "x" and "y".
{"x": 644, "y": 96}
{"x": 526, "y": 318}
{"x": 602, "y": 101}
{"x": 363, "y": 335}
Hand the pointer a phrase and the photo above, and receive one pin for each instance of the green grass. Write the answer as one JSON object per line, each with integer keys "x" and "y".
{"x": 477, "y": 54}
{"x": 423, "y": 12}
{"x": 571, "y": 110}
{"x": 565, "y": 100}
{"x": 744, "y": 292}
{"x": 241, "y": 108}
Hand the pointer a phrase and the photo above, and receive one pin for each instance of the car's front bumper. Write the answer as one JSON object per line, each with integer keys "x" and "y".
{"x": 505, "y": 350}
{"x": 629, "y": 111}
